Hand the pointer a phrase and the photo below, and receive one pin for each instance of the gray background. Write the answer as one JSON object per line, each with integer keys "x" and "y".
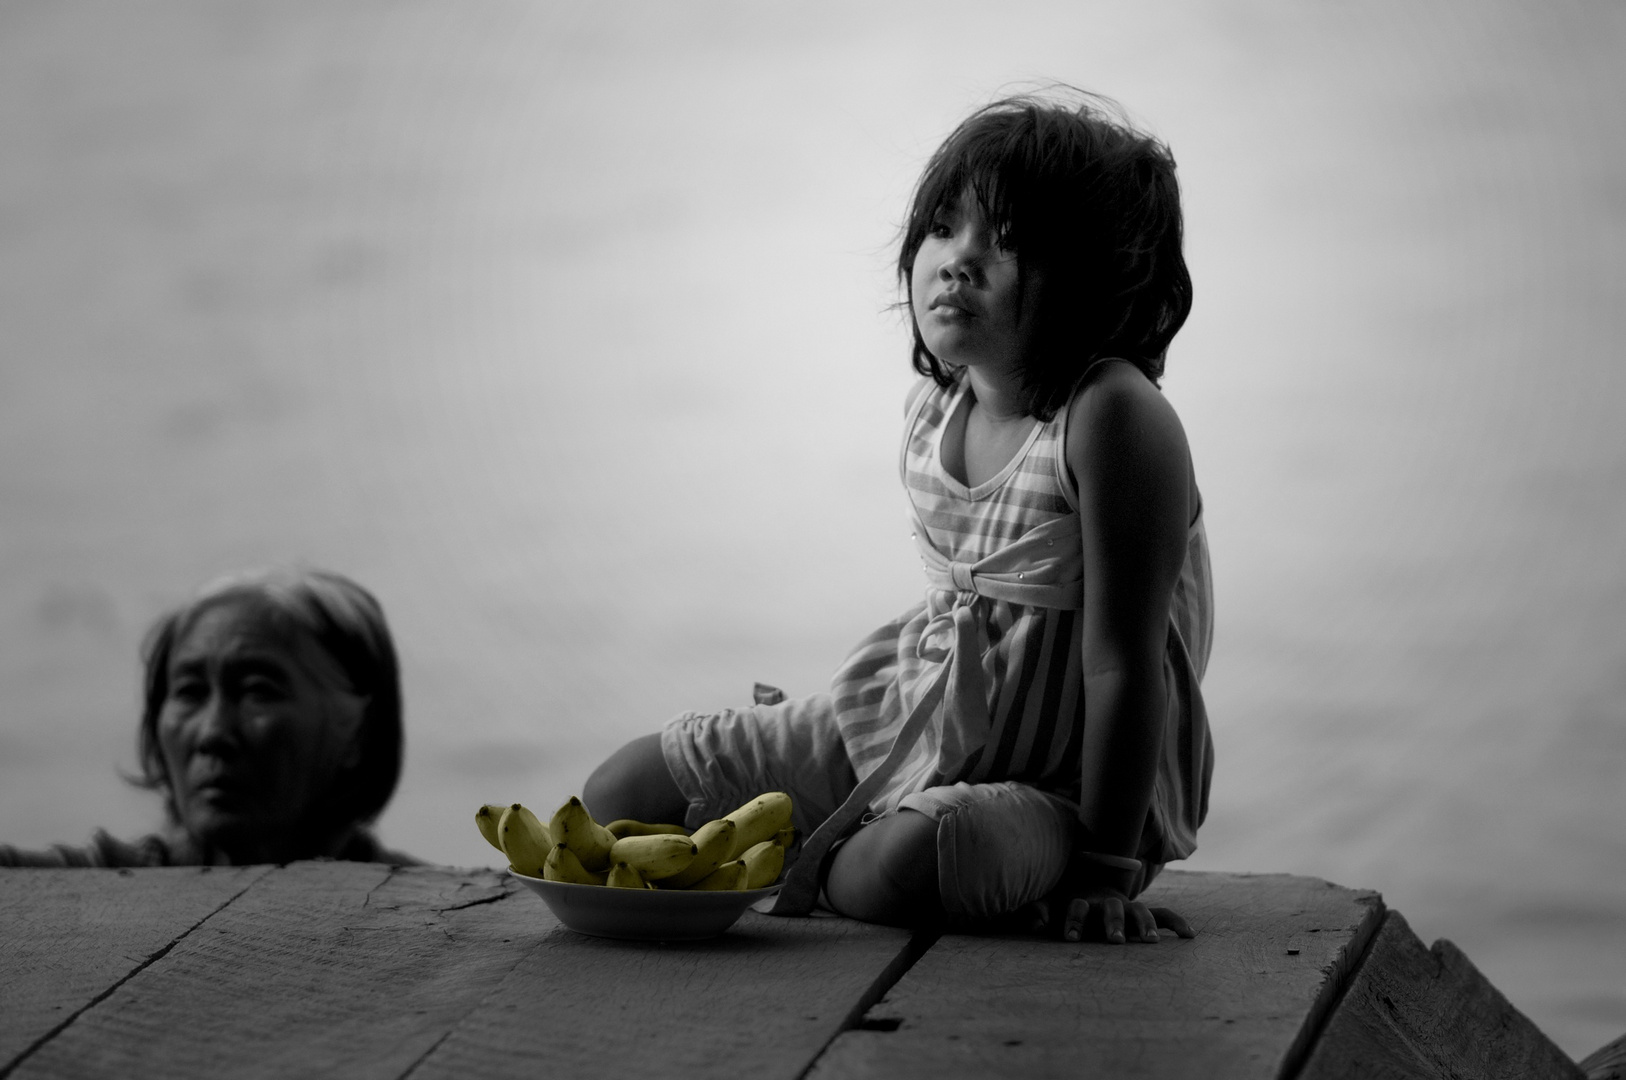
{"x": 567, "y": 329}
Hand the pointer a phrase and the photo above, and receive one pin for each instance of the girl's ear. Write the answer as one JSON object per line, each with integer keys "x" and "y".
{"x": 352, "y": 753}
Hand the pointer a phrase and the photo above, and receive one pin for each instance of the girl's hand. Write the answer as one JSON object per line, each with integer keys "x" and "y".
{"x": 1102, "y": 913}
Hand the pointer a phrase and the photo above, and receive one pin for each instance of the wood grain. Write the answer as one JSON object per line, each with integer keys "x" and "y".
{"x": 1412, "y": 1012}
{"x": 1270, "y": 955}
{"x": 318, "y": 969}
{"x": 762, "y": 1001}
{"x": 359, "y": 970}
{"x": 67, "y": 937}
{"x": 1607, "y": 1062}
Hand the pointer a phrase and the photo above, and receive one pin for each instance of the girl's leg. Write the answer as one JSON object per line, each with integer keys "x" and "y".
{"x": 634, "y": 782}
{"x": 887, "y": 872}
{"x": 704, "y": 765}
{"x": 969, "y": 855}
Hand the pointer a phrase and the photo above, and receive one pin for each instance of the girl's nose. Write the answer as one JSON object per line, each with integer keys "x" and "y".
{"x": 963, "y": 256}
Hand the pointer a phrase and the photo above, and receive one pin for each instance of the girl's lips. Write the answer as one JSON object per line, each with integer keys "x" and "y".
{"x": 949, "y": 306}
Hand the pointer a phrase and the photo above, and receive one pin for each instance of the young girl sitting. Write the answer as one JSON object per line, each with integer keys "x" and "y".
{"x": 1029, "y": 742}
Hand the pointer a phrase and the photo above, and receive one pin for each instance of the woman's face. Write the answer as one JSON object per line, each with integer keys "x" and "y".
{"x": 251, "y": 733}
{"x": 969, "y": 296}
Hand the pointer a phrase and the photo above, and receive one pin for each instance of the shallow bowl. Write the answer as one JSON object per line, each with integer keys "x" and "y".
{"x": 644, "y": 914}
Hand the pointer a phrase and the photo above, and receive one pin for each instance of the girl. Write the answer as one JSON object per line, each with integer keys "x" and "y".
{"x": 1030, "y": 740}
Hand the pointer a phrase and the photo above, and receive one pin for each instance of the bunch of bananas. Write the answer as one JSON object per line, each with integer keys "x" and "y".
{"x": 745, "y": 850}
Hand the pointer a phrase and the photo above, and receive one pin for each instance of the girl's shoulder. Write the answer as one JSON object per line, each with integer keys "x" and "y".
{"x": 1118, "y": 419}
{"x": 1117, "y": 393}
{"x": 923, "y": 388}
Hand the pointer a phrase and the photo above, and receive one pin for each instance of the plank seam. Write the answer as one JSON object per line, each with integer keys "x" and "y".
{"x": 367, "y": 900}
{"x": 34, "y": 1047}
{"x": 916, "y": 947}
{"x": 423, "y": 1057}
{"x": 509, "y": 889}
{"x": 475, "y": 903}
{"x": 1331, "y": 996}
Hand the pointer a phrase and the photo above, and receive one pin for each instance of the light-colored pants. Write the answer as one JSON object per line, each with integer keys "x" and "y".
{"x": 999, "y": 845}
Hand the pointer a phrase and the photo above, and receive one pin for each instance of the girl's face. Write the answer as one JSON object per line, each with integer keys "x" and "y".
{"x": 251, "y": 736}
{"x": 969, "y": 296}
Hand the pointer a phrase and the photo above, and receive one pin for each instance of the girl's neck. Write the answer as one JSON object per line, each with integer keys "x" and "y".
{"x": 999, "y": 396}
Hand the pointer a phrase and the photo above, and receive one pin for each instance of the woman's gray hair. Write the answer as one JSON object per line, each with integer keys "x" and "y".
{"x": 346, "y": 623}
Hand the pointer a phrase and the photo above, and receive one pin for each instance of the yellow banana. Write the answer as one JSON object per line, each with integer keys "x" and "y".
{"x": 487, "y": 818}
{"x": 625, "y": 876}
{"x": 713, "y": 842}
{"x": 728, "y": 877}
{"x": 656, "y": 856}
{"x": 562, "y": 865}
{"x": 758, "y": 820}
{"x": 763, "y": 863}
{"x": 525, "y": 840}
{"x": 621, "y": 828}
{"x": 785, "y": 837}
{"x": 575, "y": 828}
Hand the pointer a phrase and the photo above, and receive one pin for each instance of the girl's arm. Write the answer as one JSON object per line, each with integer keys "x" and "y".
{"x": 1128, "y": 455}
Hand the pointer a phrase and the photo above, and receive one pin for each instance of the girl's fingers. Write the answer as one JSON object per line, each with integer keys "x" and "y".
{"x": 1112, "y": 919}
{"x": 1171, "y": 921}
{"x": 1077, "y": 912}
{"x": 1143, "y": 922}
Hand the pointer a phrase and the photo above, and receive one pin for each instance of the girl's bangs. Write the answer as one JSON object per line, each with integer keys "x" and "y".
{"x": 982, "y": 174}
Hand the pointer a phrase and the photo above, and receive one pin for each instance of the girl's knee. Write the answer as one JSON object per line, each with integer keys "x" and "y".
{"x": 635, "y": 782}
{"x": 887, "y": 872}
{"x": 1000, "y": 846}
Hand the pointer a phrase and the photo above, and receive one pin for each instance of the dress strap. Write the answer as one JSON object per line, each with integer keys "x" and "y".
{"x": 801, "y": 889}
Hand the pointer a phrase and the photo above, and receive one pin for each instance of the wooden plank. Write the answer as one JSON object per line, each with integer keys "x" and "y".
{"x": 761, "y": 1001}
{"x": 354, "y": 970}
{"x": 1607, "y": 1062}
{"x": 1412, "y": 1012}
{"x": 67, "y": 937}
{"x": 1242, "y": 999}
{"x": 321, "y": 968}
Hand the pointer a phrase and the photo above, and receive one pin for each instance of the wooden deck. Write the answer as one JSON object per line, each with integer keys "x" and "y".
{"x": 356, "y": 970}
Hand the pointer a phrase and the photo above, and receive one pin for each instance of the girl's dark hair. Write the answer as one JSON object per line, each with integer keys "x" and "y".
{"x": 345, "y": 622}
{"x": 1087, "y": 200}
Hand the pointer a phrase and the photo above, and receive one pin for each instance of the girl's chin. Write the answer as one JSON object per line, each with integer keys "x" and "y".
{"x": 962, "y": 350}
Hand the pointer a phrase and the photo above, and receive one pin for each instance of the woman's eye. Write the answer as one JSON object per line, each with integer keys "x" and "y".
{"x": 262, "y": 690}
{"x": 188, "y": 693}
{"x": 940, "y": 230}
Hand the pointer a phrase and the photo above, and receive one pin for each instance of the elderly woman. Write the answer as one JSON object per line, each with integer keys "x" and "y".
{"x": 271, "y": 724}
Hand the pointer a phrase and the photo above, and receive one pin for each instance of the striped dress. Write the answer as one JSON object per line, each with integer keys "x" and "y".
{"x": 995, "y": 649}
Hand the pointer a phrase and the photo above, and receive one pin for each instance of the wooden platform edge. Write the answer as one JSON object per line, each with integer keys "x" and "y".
{"x": 1340, "y": 975}
{"x": 1430, "y": 1014}
{"x": 1607, "y": 1062}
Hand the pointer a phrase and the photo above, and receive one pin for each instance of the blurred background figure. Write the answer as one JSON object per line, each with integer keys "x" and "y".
{"x": 271, "y": 726}
{"x": 368, "y": 284}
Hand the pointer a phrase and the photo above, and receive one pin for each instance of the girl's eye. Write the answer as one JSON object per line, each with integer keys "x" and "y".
{"x": 940, "y": 230}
